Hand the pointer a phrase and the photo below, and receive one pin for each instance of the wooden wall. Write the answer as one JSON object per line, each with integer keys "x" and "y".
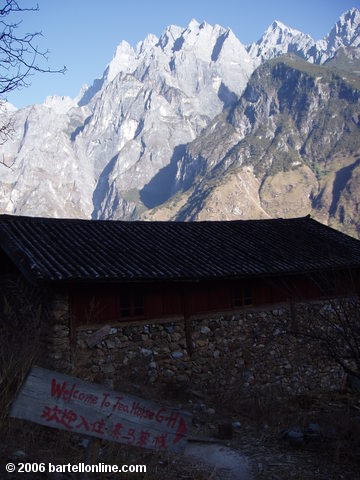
{"x": 115, "y": 303}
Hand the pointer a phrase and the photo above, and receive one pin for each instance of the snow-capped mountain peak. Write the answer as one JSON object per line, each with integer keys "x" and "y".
{"x": 123, "y": 61}
{"x": 169, "y": 38}
{"x": 193, "y": 24}
{"x": 279, "y": 26}
{"x": 100, "y": 152}
{"x": 345, "y": 32}
{"x": 348, "y": 24}
{"x": 278, "y": 39}
{"x": 147, "y": 44}
{"x": 7, "y": 107}
{"x": 59, "y": 104}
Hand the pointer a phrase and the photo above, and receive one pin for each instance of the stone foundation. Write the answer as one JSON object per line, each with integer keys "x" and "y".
{"x": 58, "y": 335}
{"x": 247, "y": 352}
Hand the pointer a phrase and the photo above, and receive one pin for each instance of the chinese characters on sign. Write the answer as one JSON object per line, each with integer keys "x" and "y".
{"x": 67, "y": 403}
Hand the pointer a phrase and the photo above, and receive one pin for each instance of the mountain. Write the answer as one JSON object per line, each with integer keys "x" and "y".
{"x": 156, "y": 136}
{"x": 279, "y": 39}
{"x": 289, "y": 147}
{"x": 110, "y": 141}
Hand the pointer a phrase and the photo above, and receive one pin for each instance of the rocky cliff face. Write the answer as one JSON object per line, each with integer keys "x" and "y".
{"x": 180, "y": 127}
{"x": 290, "y": 146}
{"x": 279, "y": 39}
{"x": 123, "y": 129}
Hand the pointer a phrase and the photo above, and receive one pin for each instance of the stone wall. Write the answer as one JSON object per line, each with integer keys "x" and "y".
{"x": 57, "y": 335}
{"x": 246, "y": 352}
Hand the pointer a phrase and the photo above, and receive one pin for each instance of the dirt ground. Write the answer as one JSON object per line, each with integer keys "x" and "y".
{"x": 302, "y": 438}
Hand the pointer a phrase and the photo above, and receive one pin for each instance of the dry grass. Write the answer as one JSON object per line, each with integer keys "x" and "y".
{"x": 337, "y": 416}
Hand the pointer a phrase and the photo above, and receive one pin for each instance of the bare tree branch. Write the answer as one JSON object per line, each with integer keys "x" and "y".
{"x": 334, "y": 327}
{"x": 19, "y": 55}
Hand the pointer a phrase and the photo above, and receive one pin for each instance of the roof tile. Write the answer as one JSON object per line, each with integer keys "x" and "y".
{"x": 50, "y": 249}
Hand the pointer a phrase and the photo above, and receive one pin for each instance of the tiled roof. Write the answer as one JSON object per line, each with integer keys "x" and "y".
{"x": 47, "y": 249}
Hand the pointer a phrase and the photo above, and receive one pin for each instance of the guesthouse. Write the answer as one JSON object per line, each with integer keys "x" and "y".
{"x": 118, "y": 291}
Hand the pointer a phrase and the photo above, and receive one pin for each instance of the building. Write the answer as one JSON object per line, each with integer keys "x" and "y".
{"x": 99, "y": 277}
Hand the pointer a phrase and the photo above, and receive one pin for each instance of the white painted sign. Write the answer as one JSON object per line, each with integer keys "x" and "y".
{"x": 60, "y": 401}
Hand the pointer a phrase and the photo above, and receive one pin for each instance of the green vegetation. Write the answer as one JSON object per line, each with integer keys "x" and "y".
{"x": 319, "y": 171}
{"x": 333, "y": 71}
{"x": 133, "y": 196}
{"x": 300, "y": 115}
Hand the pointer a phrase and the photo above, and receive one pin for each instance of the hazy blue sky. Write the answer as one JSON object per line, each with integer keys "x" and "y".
{"x": 83, "y": 34}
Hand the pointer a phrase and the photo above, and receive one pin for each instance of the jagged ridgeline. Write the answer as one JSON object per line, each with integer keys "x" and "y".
{"x": 194, "y": 125}
{"x": 290, "y": 146}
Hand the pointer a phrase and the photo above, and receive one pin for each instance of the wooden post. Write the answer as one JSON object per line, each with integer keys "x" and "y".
{"x": 293, "y": 319}
{"x": 91, "y": 455}
{"x": 187, "y": 323}
{"x": 188, "y": 335}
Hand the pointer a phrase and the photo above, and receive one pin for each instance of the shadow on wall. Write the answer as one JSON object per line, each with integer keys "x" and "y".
{"x": 160, "y": 187}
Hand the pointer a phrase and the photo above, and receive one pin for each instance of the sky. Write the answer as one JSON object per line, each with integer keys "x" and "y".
{"x": 83, "y": 34}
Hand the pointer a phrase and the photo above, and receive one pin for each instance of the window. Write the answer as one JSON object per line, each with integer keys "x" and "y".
{"x": 107, "y": 306}
{"x": 131, "y": 304}
{"x": 248, "y": 300}
{"x": 125, "y": 305}
{"x": 138, "y": 303}
{"x": 242, "y": 296}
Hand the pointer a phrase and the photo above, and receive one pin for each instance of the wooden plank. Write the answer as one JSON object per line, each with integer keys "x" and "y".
{"x": 60, "y": 401}
{"x": 98, "y": 336}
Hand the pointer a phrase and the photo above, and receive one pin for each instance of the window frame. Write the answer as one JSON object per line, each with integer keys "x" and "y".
{"x": 243, "y": 296}
{"x": 88, "y": 307}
